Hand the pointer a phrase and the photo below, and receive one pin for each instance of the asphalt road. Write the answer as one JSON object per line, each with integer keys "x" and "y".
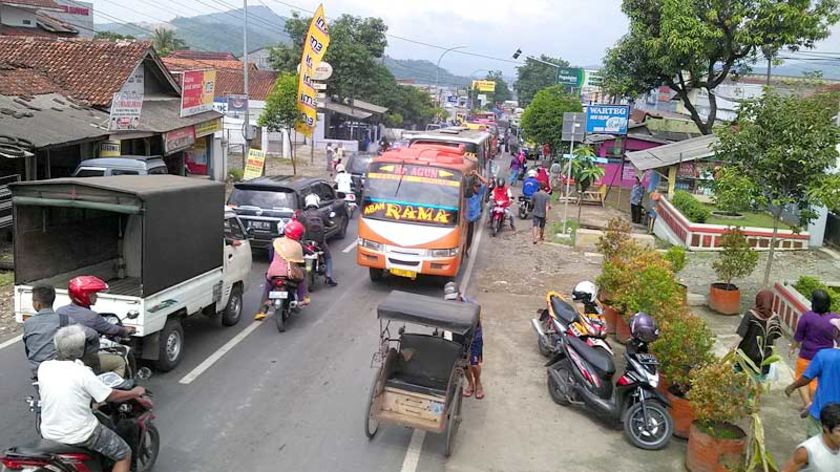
{"x": 274, "y": 401}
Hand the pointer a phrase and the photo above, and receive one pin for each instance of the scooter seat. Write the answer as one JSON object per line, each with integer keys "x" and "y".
{"x": 45, "y": 446}
{"x": 563, "y": 310}
{"x": 599, "y": 358}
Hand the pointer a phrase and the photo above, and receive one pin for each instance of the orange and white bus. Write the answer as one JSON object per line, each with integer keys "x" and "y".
{"x": 413, "y": 219}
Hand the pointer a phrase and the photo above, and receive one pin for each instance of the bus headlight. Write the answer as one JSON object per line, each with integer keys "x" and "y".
{"x": 372, "y": 245}
{"x": 443, "y": 252}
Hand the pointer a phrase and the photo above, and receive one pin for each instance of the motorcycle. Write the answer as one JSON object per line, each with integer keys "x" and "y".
{"x": 350, "y": 203}
{"x": 526, "y": 205}
{"x": 132, "y": 420}
{"x": 580, "y": 374}
{"x": 282, "y": 300}
{"x": 498, "y": 217}
{"x": 315, "y": 263}
{"x": 562, "y": 318}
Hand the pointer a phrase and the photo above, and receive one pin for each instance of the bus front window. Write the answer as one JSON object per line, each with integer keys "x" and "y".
{"x": 412, "y": 194}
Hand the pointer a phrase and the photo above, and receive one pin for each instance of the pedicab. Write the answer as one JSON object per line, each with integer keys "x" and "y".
{"x": 420, "y": 378}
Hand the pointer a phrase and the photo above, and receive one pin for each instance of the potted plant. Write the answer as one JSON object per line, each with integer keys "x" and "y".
{"x": 737, "y": 259}
{"x": 684, "y": 345}
{"x": 719, "y": 397}
{"x": 676, "y": 255}
{"x": 616, "y": 246}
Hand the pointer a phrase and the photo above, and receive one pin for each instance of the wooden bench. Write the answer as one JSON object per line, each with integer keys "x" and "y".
{"x": 591, "y": 197}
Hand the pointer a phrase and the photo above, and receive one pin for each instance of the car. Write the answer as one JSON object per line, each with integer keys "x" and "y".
{"x": 123, "y": 165}
{"x": 263, "y": 202}
{"x": 357, "y": 165}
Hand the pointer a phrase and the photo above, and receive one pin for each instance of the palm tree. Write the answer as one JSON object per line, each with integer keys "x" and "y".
{"x": 585, "y": 172}
{"x": 165, "y": 41}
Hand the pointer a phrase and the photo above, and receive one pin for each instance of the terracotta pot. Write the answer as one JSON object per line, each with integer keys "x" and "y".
{"x": 709, "y": 454}
{"x": 622, "y": 329}
{"x": 682, "y": 413}
{"x": 610, "y": 314}
{"x": 724, "y": 300}
{"x": 663, "y": 384}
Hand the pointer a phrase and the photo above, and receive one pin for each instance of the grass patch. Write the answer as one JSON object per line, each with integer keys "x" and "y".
{"x": 7, "y": 279}
{"x": 758, "y": 220}
{"x": 555, "y": 227}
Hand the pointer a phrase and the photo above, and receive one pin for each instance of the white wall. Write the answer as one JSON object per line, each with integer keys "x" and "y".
{"x": 13, "y": 16}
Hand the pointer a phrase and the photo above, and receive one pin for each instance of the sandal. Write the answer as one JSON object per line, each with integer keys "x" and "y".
{"x": 467, "y": 392}
{"x": 479, "y": 395}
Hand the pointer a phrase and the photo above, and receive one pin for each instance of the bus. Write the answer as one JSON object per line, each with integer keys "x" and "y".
{"x": 478, "y": 144}
{"x": 413, "y": 219}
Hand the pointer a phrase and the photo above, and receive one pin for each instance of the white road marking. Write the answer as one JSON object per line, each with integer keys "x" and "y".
{"x": 350, "y": 247}
{"x": 412, "y": 455}
{"x": 474, "y": 253}
{"x": 10, "y": 342}
{"x": 189, "y": 378}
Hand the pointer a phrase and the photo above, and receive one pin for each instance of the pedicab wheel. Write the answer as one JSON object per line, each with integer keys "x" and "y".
{"x": 454, "y": 419}
{"x": 371, "y": 424}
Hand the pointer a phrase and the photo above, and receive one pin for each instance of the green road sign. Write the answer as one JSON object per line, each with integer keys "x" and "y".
{"x": 570, "y": 76}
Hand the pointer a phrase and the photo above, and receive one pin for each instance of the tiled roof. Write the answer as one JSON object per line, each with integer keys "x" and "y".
{"x": 89, "y": 70}
{"x": 202, "y": 55}
{"x": 17, "y": 80}
{"x": 50, "y": 4}
{"x": 20, "y": 31}
{"x": 177, "y": 64}
{"x": 260, "y": 83}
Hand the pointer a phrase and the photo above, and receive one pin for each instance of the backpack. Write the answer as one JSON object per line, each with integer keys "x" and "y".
{"x": 314, "y": 224}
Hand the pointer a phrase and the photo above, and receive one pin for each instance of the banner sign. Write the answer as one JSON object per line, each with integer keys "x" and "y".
{"x": 484, "y": 85}
{"x": 570, "y": 76}
{"x": 237, "y": 104}
{"x": 198, "y": 89}
{"x": 125, "y": 111}
{"x": 254, "y": 165}
{"x": 208, "y": 127}
{"x": 178, "y": 140}
{"x": 314, "y": 48}
{"x": 608, "y": 119}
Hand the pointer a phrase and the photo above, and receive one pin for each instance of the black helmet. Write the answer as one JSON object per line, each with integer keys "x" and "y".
{"x": 820, "y": 301}
{"x": 643, "y": 327}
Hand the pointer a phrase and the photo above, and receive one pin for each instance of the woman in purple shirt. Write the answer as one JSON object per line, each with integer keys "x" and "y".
{"x": 813, "y": 332}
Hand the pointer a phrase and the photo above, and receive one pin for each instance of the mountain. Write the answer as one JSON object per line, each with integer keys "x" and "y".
{"x": 796, "y": 69}
{"x": 423, "y": 72}
{"x": 220, "y": 31}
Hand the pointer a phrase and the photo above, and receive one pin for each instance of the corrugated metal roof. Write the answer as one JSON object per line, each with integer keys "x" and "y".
{"x": 356, "y": 113}
{"x": 49, "y": 120}
{"x": 670, "y": 154}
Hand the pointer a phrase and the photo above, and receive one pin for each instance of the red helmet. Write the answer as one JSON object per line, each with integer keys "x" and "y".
{"x": 294, "y": 230}
{"x": 81, "y": 288}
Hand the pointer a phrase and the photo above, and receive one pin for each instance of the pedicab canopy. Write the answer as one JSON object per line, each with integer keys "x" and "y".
{"x": 433, "y": 312}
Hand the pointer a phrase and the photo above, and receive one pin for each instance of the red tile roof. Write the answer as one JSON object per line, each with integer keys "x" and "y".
{"x": 202, "y": 55}
{"x": 32, "y": 3}
{"x": 177, "y": 64}
{"x": 89, "y": 70}
{"x": 20, "y": 31}
{"x": 19, "y": 80}
{"x": 231, "y": 82}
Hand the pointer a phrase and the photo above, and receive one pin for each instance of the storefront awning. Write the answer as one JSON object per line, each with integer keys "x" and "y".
{"x": 164, "y": 114}
{"x": 355, "y": 113}
{"x": 671, "y": 154}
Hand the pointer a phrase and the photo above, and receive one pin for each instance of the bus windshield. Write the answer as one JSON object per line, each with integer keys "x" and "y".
{"x": 412, "y": 194}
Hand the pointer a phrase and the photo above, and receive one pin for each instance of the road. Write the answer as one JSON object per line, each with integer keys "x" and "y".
{"x": 274, "y": 401}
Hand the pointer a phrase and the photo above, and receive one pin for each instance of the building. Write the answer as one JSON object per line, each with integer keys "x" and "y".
{"x": 260, "y": 58}
{"x": 77, "y": 14}
{"x": 34, "y": 18}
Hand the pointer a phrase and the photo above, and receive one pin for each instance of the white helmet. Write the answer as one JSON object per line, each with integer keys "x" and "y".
{"x": 532, "y": 173}
{"x": 585, "y": 291}
{"x": 339, "y": 168}
{"x": 312, "y": 200}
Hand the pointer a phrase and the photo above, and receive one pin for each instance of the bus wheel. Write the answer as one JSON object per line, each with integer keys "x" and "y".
{"x": 376, "y": 275}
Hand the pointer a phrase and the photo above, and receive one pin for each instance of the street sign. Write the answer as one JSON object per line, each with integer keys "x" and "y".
{"x": 237, "y": 103}
{"x": 594, "y": 78}
{"x": 574, "y": 126}
{"x": 323, "y": 72}
{"x": 608, "y": 119}
{"x": 319, "y": 85}
{"x": 570, "y": 76}
{"x": 484, "y": 85}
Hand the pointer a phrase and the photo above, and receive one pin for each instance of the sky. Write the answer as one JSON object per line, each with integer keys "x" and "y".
{"x": 575, "y": 30}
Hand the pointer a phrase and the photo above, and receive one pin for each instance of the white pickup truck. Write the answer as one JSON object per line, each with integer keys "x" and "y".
{"x": 165, "y": 244}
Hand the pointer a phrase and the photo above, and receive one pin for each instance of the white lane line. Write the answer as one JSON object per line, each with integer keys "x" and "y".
{"x": 412, "y": 455}
{"x": 473, "y": 254}
{"x": 187, "y": 379}
{"x": 10, "y": 342}
{"x": 350, "y": 247}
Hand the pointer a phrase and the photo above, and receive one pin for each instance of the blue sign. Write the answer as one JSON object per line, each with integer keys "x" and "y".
{"x": 607, "y": 119}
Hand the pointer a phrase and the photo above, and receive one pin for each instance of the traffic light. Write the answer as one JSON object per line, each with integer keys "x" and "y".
{"x": 517, "y": 54}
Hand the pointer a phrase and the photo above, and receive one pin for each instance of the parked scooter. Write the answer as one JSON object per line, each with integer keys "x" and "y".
{"x": 582, "y": 375}
{"x": 132, "y": 420}
{"x": 316, "y": 265}
{"x": 282, "y": 300}
{"x": 560, "y": 317}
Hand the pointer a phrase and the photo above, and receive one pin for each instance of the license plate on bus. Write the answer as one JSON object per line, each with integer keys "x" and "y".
{"x": 278, "y": 295}
{"x": 404, "y": 273}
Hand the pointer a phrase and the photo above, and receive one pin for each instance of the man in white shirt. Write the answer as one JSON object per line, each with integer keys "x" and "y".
{"x": 343, "y": 180}
{"x": 67, "y": 387}
{"x": 821, "y": 453}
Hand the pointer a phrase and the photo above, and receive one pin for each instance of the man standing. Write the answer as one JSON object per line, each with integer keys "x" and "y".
{"x": 67, "y": 388}
{"x": 636, "y": 195}
{"x": 825, "y": 367}
{"x": 821, "y": 453}
{"x": 451, "y": 292}
{"x": 542, "y": 203}
{"x": 330, "y": 153}
{"x": 479, "y": 187}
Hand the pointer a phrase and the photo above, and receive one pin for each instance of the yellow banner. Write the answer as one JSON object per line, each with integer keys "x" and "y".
{"x": 314, "y": 47}
{"x": 484, "y": 85}
{"x": 254, "y": 164}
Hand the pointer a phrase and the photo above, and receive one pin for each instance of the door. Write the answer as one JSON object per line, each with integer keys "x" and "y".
{"x": 330, "y": 205}
{"x": 237, "y": 251}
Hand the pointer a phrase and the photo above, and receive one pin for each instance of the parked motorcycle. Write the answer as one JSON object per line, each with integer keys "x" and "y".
{"x": 282, "y": 300}
{"x": 316, "y": 265}
{"x": 498, "y": 215}
{"x": 582, "y": 375}
{"x": 560, "y": 317}
{"x": 132, "y": 420}
{"x": 526, "y": 205}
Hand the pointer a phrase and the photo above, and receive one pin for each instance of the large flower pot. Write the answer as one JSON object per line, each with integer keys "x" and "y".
{"x": 710, "y": 454}
{"x": 622, "y": 329}
{"x": 725, "y": 299}
{"x": 610, "y": 314}
{"x": 682, "y": 413}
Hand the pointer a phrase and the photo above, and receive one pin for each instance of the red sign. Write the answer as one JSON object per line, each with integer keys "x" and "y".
{"x": 179, "y": 139}
{"x": 197, "y": 91}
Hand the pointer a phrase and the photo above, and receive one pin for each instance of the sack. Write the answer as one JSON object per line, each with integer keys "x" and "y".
{"x": 296, "y": 272}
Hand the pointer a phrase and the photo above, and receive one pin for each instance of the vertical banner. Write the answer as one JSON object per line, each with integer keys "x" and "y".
{"x": 254, "y": 164}
{"x": 314, "y": 47}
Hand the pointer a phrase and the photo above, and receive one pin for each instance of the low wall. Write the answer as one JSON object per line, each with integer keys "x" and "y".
{"x": 789, "y": 304}
{"x": 706, "y": 237}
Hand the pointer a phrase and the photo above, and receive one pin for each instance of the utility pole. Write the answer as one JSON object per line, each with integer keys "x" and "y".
{"x": 437, "y": 71}
{"x": 569, "y": 176}
{"x": 246, "y": 126}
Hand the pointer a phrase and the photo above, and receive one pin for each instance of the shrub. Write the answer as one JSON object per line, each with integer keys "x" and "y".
{"x": 733, "y": 192}
{"x": 235, "y": 175}
{"x": 676, "y": 255}
{"x": 737, "y": 259}
{"x": 685, "y": 344}
{"x": 719, "y": 395}
{"x": 806, "y": 286}
{"x": 648, "y": 285}
{"x": 615, "y": 237}
{"x": 691, "y": 207}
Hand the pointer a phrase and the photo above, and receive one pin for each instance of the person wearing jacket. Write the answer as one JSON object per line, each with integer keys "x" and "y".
{"x": 285, "y": 253}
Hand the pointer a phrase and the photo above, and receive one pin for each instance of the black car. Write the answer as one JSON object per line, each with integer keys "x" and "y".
{"x": 357, "y": 166}
{"x": 262, "y": 202}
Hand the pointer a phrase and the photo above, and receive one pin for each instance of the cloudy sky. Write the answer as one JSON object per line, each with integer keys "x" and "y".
{"x": 576, "y": 30}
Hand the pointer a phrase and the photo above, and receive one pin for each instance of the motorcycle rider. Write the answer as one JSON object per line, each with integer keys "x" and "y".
{"x": 451, "y": 292}
{"x": 284, "y": 251}
{"x": 343, "y": 180}
{"x": 543, "y": 178}
{"x": 83, "y": 292}
{"x": 531, "y": 185}
{"x": 315, "y": 231}
{"x": 502, "y": 193}
{"x": 67, "y": 388}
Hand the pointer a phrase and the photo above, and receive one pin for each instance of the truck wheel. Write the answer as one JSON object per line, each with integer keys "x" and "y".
{"x": 376, "y": 275}
{"x": 171, "y": 345}
{"x": 233, "y": 309}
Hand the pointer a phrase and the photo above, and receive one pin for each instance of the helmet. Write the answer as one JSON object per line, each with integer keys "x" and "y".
{"x": 81, "y": 288}
{"x": 585, "y": 292}
{"x": 339, "y": 168}
{"x": 281, "y": 227}
{"x": 451, "y": 291}
{"x": 643, "y": 327}
{"x": 294, "y": 230}
{"x": 532, "y": 173}
{"x": 312, "y": 200}
{"x": 500, "y": 182}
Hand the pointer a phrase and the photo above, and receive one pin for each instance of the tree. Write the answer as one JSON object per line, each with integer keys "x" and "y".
{"x": 688, "y": 45}
{"x": 281, "y": 111}
{"x": 585, "y": 172}
{"x": 534, "y": 76}
{"x": 110, "y": 36}
{"x": 164, "y": 41}
{"x": 502, "y": 93}
{"x": 786, "y": 146}
{"x": 542, "y": 121}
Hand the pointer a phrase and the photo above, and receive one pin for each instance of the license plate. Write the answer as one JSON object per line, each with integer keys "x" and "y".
{"x": 260, "y": 225}
{"x": 404, "y": 273}
{"x": 278, "y": 295}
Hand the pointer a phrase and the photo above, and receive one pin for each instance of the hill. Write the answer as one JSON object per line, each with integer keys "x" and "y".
{"x": 216, "y": 31}
{"x": 423, "y": 72}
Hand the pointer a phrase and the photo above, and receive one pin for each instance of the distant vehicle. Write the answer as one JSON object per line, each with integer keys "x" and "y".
{"x": 123, "y": 165}
{"x": 477, "y": 143}
{"x": 357, "y": 165}
{"x": 263, "y": 202}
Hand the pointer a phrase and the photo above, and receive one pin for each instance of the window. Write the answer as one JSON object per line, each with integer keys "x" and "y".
{"x": 124, "y": 172}
{"x": 26, "y": 22}
{"x": 90, "y": 173}
{"x": 275, "y": 199}
{"x": 158, "y": 170}
{"x": 324, "y": 192}
{"x": 233, "y": 229}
